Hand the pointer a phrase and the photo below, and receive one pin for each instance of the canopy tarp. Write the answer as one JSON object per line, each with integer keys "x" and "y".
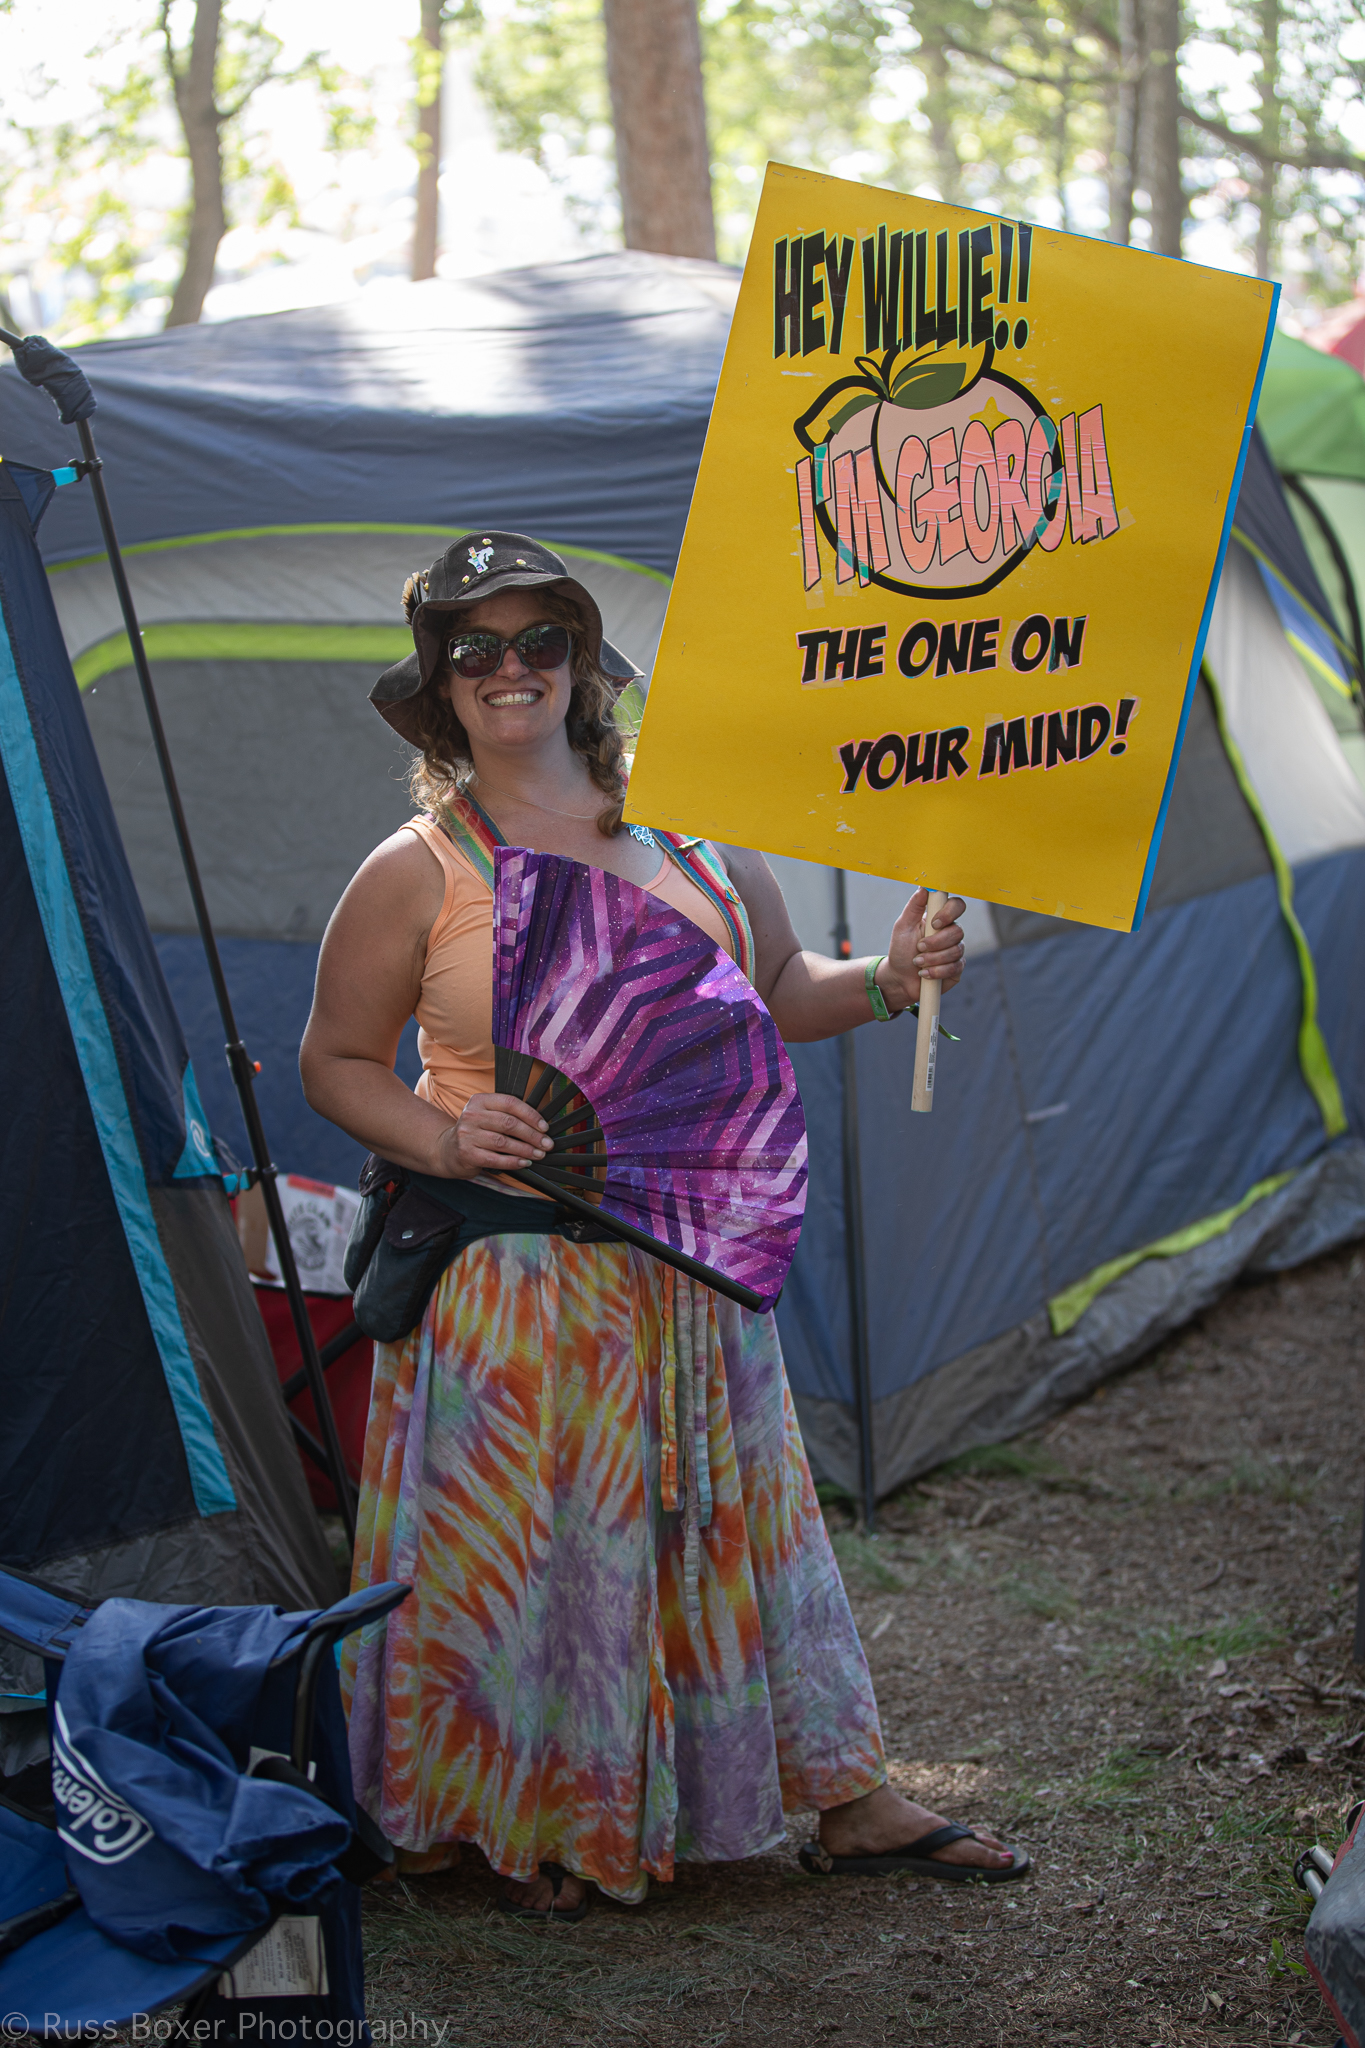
{"x": 1312, "y": 411}
{"x": 571, "y": 400}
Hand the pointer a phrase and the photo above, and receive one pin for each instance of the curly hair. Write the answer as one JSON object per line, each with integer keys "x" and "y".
{"x": 446, "y": 762}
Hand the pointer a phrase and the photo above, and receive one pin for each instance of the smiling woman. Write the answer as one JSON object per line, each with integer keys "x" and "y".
{"x": 552, "y": 637}
{"x": 596, "y": 1676}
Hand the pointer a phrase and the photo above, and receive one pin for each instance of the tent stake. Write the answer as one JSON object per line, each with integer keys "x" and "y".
{"x": 239, "y": 1062}
{"x": 856, "y": 1264}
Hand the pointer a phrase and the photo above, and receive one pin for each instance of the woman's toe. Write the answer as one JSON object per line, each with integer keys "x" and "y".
{"x": 983, "y": 1852}
{"x": 536, "y": 1894}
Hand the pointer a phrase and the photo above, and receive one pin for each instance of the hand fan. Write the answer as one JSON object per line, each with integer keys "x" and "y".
{"x": 671, "y": 1102}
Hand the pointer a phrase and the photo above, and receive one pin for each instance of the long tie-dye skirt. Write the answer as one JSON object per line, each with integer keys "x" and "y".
{"x": 628, "y": 1642}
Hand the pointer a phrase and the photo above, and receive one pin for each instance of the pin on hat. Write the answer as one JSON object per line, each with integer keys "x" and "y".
{"x": 475, "y": 567}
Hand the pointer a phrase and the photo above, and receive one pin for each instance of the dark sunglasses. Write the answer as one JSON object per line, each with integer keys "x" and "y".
{"x": 473, "y": 655}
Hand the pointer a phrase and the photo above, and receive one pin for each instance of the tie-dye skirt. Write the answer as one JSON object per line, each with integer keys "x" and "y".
{"x": 628, "y": 1642}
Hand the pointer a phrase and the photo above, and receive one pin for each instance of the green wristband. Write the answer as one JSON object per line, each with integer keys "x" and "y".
{"x": 874, "y": 994}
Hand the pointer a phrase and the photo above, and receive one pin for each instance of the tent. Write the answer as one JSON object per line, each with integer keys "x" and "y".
{"x": 145, "y": 1449}
{"x": 1312, "y": 414}
{"x": 1127, "y": 1121}
{"x": 274, "y": 480}
{"x": 1130, "y": 1121}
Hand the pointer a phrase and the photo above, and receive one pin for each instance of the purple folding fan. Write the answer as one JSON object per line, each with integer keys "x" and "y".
{"x": 670, "y": 1099}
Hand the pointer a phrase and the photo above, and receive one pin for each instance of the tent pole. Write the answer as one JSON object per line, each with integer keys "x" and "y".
{"x": 239, "y": 1063}
{"x": 853, "y": 1230}
{"x": 1343, "y": 569}
{"x": 1358, "y": 1647}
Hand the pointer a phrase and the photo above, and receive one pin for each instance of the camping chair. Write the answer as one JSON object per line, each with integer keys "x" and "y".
{"x": 1334, "y": 1939}
{"x": 58, "y": 1970}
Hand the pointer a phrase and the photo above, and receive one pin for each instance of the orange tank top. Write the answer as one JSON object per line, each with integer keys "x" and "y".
{"x": 455, "y": 1008}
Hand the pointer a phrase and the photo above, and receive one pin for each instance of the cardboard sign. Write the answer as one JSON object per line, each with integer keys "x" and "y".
{"x": 952, "y": 551}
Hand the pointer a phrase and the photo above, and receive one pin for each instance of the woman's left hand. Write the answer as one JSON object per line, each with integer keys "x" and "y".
{"x": 909, "y": 958}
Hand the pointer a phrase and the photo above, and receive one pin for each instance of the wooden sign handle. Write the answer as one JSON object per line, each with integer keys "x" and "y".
{"x": 926, "y": 1037}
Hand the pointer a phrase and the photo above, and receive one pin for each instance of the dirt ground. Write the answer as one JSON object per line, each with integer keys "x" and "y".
{"x": 1125, "y": 1640}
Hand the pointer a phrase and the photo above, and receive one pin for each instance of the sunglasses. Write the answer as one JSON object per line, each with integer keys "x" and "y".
{"x": 473, "y": 655}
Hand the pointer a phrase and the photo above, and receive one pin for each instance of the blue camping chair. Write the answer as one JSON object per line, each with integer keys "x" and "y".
{"x": 238, "y": 1712}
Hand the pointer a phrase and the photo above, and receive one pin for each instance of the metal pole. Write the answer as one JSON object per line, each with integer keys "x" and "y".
{"x": 1343, "y": 569}
{"x": 239, "y": 1062}
{"x": 1358, "y": 1647}
{"x": 855, "y": 1261}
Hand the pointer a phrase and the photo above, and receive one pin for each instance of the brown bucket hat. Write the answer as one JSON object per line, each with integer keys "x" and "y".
{"x": 476, "y": 566}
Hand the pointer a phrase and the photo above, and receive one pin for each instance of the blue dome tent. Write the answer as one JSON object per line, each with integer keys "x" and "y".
{"x": 145, "y": 1449}
{"x": 1128, "y": 1121}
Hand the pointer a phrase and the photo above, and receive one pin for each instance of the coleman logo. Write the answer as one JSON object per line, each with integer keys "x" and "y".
{"x": 92, "y": 1820}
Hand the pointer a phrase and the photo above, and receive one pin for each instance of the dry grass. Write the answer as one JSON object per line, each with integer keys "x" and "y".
{"x": 1126, "y": 1641}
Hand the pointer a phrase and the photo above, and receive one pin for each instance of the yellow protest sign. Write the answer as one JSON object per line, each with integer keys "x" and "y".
{"x": 951, "y": 553}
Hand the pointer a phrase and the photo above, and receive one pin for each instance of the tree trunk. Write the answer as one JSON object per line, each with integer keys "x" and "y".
{"x": 1123, "y": 161}
{"x": 1161, "y": 109}
{"x": 198, "y": 109}
{"x": 427, "y": 220}
{"x": 1062, "y": 149}
{"x": 658, "y": 108}
{"x": 937, "y": 109}
{"x": 1266, "y": 221}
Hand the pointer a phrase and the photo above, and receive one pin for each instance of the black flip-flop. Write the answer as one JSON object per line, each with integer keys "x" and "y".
{"x": 558, "y": 1916}
{"x": 918, "y": 1858}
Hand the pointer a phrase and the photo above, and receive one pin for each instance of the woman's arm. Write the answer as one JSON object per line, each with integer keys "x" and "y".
{"x": 369, "y": 980}
{"x": 812, "y": 996}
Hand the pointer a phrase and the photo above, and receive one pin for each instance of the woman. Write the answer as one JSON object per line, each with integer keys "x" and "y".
{"x": 545, "y": 1691}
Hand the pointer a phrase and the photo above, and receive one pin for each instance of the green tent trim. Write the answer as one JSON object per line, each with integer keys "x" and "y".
{"x": 1066, "y": 1309}
{"x": 1304, "y": 652}
{"x": 209, "y": 640}
{"x": 213, "y": 640}
{"x": 445, "y": 533}
{"x": 1314, "y": 1058}
{"x": 1315, "y": 1061}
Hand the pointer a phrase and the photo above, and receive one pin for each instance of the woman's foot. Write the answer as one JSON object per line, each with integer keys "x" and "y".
{"x": 538, "y": 1895}
{"x": 882, "y": 1822}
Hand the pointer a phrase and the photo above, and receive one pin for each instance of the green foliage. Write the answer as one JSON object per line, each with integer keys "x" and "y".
{"x": 542, "y": 72}
{"x": 1012, "y": 107}
{"x": 788, "y": 79}
{"x": 830, "y": 1494}
{"x": 1251, "y": 1826}
{"x": 102, "y": 245}
{"x": 863, "y": 1567}
{"x": 75, "y": 191}
{"x": 1041, "y": 1593}
{"x": 1175, "y": 1653}
{"x": 1006, "y": 1461}
{"x": 1117, "y": 1783}
{"x": 1297, "y": 189}
{"x": 1282, "y": 1964}
{"x": 1258, "y": 1476}
{"x": 1017, "y": 98}
{"x": 792, "y": 81}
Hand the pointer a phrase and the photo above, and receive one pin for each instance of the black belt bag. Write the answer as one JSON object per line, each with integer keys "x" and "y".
{"x": 411, "y": 1225}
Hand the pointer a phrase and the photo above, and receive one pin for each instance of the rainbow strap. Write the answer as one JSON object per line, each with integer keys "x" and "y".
{"x": 469, "y": 826}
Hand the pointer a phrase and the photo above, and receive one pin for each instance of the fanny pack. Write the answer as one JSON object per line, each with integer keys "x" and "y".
{"x": 410, "y": 1226}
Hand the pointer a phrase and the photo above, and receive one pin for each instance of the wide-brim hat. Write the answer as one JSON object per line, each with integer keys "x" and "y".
{"x": 475, "y": 567}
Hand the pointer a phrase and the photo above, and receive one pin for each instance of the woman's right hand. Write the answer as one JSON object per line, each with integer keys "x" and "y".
{"x": 494, "y": 1133}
